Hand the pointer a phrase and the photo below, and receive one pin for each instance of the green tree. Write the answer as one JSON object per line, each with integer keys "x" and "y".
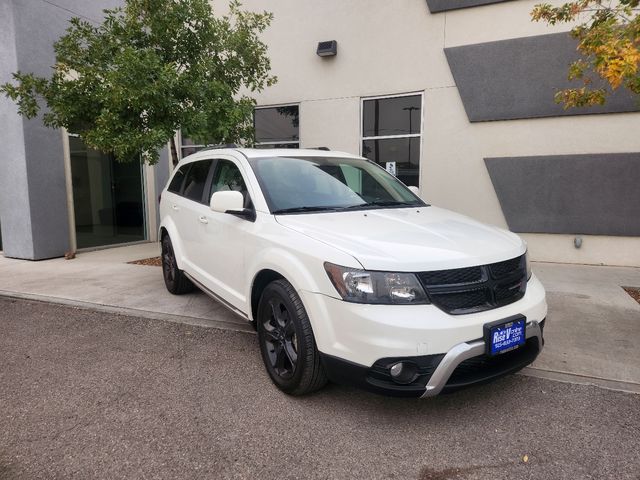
{"x": 152, "y": 67}
{"x": 608, "y": 36}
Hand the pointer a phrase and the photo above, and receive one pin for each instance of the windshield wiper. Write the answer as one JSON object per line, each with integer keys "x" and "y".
{"x": 305, "y": 209}
{"x": 338, "y": 208}
{"x": 392, "y": 203}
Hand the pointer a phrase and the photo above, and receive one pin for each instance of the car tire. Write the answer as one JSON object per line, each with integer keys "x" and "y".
{"x": 286, "y": 340}
{"x": 174, "y": 278}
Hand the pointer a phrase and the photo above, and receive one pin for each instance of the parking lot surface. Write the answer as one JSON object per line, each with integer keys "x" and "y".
{"x": 85, "y": 394}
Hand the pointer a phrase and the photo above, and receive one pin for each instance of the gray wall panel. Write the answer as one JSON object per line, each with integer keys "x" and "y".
{"x": 32, "y": 179}
{"x": 444, "y": 5}
{"x": 14, "y": 192}
{"x": 594, "y": 194}
{"x": 38, "y": 25}
{"x": 517, "y": 78}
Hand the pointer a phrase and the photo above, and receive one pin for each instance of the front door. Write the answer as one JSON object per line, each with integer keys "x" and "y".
{"x": 220, "y": 251}
{"x": 108, "y": 197}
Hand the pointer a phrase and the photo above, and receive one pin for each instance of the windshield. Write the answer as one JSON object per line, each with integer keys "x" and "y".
{"x": 316, "y": 184}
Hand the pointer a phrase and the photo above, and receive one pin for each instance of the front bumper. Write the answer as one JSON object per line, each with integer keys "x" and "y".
{"x": 363, "y": 334}
{"x": 464, "y": 365}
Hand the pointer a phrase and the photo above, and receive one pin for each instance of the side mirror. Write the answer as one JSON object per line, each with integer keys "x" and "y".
{"x": 231, "y": 202}
{"x": 415, "y": 190}
{"x": 227, "y": 201}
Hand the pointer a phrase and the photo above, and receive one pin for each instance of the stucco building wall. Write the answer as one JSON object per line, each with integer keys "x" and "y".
{"x": 387, "y": 48}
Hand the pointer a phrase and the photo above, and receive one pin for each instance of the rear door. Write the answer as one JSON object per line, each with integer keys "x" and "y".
{"x": 186, "y": 210}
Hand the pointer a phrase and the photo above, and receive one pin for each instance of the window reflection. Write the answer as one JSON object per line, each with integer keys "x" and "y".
{"x": 391, "y": 135}
{"x": 277, "y": 127}
{"x": 107, "y": 197}
{"x": 392, "y": 116}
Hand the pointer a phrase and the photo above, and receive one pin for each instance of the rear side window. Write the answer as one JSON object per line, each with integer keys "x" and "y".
{"x": 196, "y": 179}
{"x": 176, "y": 182}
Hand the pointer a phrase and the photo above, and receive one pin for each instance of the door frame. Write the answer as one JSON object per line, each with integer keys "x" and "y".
{"x": 149, "y": 210}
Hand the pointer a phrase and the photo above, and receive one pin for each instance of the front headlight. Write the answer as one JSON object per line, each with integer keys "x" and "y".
{"x": 528, "y": 263}
{"x": 362, "y": 286}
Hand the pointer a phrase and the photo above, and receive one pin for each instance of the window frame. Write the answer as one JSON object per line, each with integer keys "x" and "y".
{"x": 258, "y": 144}
{"x": 388, "y": 137}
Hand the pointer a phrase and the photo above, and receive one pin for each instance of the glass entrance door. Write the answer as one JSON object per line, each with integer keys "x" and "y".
{"x": 107, "y": 197}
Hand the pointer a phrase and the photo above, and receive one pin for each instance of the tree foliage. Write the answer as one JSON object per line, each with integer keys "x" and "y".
{"x": 608, "y": 33}
{"x": 150, "y": 68}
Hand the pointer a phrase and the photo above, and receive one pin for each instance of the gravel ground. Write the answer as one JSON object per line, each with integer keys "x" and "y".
{"x": 149, "y": 262}
{"x": 634, "y": 292}
{"x": 88, "y": 395}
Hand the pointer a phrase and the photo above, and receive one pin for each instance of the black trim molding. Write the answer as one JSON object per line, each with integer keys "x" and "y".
{"x": 517, "y": 78}
{"x": 436, "y": 6}
{"x": 594, "y": 194}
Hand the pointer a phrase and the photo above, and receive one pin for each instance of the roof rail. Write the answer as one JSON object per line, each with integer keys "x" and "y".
{"x": 219, "y": 146}
{"x": 326, "y": 149}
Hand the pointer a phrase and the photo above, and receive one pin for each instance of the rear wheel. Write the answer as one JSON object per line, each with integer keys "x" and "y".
{"x": 286, "y": 341}
{"x": 174, "y": 278}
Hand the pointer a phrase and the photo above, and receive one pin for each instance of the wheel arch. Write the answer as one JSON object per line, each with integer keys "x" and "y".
{"x": 303, "y": 270}
{"x": 169, "y": 229}
{"x": 263, "y": 278}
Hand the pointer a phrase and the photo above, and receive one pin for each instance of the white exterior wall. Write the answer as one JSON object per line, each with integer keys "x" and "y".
{"x": 389, "y": 47}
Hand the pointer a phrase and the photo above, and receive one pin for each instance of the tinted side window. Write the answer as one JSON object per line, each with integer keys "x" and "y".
{"x": 176, "y": 181}
{"x": 196, "y": 178}
{"x": 228, "y": 177}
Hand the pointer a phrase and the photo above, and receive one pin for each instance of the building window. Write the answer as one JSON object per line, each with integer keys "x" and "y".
{"x": 188, "y": 146}
{"x": 392, "y": 134}
{"x": 277, "y": 127}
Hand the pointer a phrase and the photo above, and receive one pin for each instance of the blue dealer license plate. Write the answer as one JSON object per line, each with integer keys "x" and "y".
{"x": 505, "y": 335}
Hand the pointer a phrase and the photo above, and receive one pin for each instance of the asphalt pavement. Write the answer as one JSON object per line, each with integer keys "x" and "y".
{"x": 86, "y": 394}
{"x": 591, "y": 329}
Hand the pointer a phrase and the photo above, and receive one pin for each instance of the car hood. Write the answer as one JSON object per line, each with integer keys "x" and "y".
{"x": 408, "y": 239}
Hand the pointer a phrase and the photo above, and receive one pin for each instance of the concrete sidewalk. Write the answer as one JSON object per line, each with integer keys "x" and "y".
{"x": 104, "y": 279}
{"x": 592, "y": 334}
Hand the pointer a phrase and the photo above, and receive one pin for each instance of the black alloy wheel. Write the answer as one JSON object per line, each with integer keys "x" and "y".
{"x": 280, "y": 339}
{"x": 286, "y": 341}
{"x": 174, "y": 279}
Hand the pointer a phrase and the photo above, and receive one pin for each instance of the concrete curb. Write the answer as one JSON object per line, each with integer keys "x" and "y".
{"x": 558, "y": 376}
{"x": 134, "y": 312}
{"x": 567, "y": 377}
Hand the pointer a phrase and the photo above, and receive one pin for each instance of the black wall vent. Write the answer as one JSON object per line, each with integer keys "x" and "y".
{"x": 327, "y": 49}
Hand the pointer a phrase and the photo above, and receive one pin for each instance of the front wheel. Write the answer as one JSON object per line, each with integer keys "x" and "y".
{"x": 286, "y": 341}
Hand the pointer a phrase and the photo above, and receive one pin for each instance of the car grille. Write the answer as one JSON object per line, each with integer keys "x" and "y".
{"x": 475, "y": 289}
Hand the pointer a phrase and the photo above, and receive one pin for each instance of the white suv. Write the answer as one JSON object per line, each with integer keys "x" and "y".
{"x": 347, "y": 274}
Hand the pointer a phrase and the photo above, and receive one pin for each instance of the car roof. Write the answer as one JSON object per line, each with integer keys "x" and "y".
{"x": 288, "y": 152}
{"x": 252, "y": 153}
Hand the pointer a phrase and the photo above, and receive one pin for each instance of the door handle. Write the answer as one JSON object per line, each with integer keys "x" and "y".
{"x": 203, "y": 219}
{"x": 175, "y": 207}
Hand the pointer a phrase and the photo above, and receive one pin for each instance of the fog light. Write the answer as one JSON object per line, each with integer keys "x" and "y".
{"x": 396, "y": 370}
{"x": 403, "y": 372}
